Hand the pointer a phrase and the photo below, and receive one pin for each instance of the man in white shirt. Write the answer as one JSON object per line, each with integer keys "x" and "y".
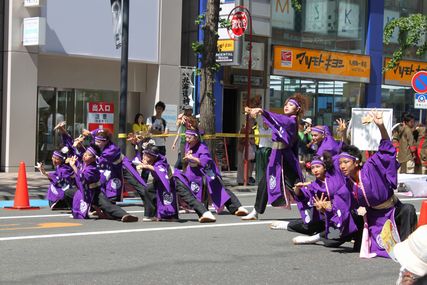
{"x": 157, "y": 126}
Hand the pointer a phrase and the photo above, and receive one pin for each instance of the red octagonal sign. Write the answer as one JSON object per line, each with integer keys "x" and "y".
{"x": 239, "y": 23}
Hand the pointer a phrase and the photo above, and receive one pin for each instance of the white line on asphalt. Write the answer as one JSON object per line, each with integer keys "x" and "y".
{"x": 134, "y": 231}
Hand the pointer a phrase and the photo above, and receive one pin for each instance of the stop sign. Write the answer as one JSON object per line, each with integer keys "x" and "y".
{"x": 239, "y": 23}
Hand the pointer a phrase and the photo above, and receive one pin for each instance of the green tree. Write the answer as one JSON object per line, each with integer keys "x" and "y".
{"x": 412, "y": 31}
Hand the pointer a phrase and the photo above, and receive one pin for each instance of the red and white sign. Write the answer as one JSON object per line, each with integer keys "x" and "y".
{"x": 286, "y": 58}
{"x": 419, "y": 82}
{"x": 100, "y": 116}
{"x": 239, "y": 23}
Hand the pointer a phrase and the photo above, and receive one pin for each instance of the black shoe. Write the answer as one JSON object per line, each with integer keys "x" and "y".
{"x": 252, "y": 180}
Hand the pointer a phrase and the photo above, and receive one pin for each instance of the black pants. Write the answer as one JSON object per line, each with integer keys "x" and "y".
{"x": 150, "y": 202}
{"x": 134, "y": 183}
{"x": 405, "y": 217}
{"x": 66, "y": 202}
{"x": 101, "y": 201}
{"x": 187, "y": 196}
{"x": 233, "y": 203}
{"x": 261, "y": 199}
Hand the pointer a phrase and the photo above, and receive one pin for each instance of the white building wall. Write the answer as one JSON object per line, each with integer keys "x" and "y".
{"x": 80, "y": 53}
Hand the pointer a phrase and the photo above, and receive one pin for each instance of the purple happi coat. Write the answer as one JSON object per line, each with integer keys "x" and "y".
{"x": 205, "y": 176}
{"x": 282, "y": 162}
{"x": 328, "y": 144}
{"x": 88, "y": 182}
{"x": 61, "y": 180}
{"x": 110, "y": 163}
{"x": 377, "y": 181}
{"x": 167, "y": 206}
{"x": 338, "y": 221}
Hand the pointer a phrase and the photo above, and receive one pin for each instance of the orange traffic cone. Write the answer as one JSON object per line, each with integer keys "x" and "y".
{"x": 422, "y": 219}
{"x": 22, "y": 202}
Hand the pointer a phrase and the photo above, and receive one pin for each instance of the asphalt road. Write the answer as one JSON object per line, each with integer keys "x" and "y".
{"x": 45, "y": 247}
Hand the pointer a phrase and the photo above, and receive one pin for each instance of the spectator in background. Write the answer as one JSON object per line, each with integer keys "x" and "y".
{"x": 263, "y": 152}
{"x": 412, "y": 256}
{"x": 157, "y": 126}
{"x": 138, "y": 124}
{"x": 241, "y": 148}
{"x": 422, "y": 150}
{"x": 407, "y": 146}
{"x": 185, "y": 121}
{"x": 304, "y": 140}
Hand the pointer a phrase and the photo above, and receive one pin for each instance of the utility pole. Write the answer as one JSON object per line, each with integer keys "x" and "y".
{"x": 124, "y": 76}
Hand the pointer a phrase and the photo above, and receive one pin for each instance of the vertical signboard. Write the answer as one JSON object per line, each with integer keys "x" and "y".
{"x": 282, "y": 14}
{"x": 100, "y": 116}
{"x": 186, "y": 90}
{"x": 229, "y": 52}
{"x": 34, "y": 31}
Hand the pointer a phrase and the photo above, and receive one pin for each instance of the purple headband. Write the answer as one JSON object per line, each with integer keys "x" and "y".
{"x": 295, "y": 102}
{"x": 58, "y": 154}
{"x": 150, "y": 152}
{"x": 318, "y": 130}
{"x": 192, "y": 133}
{"x": 92, "y": 151}
{"x": 316, "y": 161}
{"x": 347, "y": 155}
{"x": 99, "y": 138}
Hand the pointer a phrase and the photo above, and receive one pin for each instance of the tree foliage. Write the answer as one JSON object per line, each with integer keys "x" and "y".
{"x": 412, "y": 32}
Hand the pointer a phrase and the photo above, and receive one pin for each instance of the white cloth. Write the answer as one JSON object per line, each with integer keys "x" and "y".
{"x": 157, "y": 125}
{"x": 265, "y": 141}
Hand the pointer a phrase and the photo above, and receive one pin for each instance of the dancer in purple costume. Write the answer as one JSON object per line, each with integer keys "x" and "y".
{"x": 89, "y": 192}
{"x": 164, "y": 198}
{"x": 61, "y": 189}
{"x": 205, "y": 177}
{"x": 372, "y": 186}
{"x": 332, "y": 219}
{"x": 324, "y": 141}
{"x": 283, "y": 169}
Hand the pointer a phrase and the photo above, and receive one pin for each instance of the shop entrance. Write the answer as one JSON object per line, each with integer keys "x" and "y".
{"x": 230, "y": 118}
{"x": 55, "y": 105}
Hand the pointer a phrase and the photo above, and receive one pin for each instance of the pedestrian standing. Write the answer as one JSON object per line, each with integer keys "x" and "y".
{"x": 407, "y": 145}
{"x": 157, "y": 126}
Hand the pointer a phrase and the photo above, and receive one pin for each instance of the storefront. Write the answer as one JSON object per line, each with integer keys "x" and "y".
{"x": 334, "y": 82}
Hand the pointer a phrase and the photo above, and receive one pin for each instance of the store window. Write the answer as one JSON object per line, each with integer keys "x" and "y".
{"x": 329, "y": 99}
{"x": 394, "y": 9}
{"x": 337, "y": 25}
{"x": 400, "y": 99}
{"x": 70, "y": 105}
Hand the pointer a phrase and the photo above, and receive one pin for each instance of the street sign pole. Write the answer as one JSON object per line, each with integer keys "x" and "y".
{"x": 238, "y": 27}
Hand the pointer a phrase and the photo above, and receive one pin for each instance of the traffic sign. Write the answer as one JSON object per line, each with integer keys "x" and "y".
{"x": 239, "y": 23}
{"x": 419, "y": 82}
{"x": 420, "y": 101}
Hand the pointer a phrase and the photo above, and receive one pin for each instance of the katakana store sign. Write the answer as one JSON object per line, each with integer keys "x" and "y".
{"x": 100, "y": 116}
{"x": 319, "y": 64}
{"x": 403, "y": 72}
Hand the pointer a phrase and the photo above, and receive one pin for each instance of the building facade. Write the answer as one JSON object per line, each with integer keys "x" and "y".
{"x": 73, "y": 72}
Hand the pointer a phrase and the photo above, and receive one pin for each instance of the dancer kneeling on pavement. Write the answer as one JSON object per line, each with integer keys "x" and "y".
{"x": 283, "y": 169}
{"x": 205, "y": 178}
{"x": 161, "y": 196}
{"x": 372, "y": 186}
{"x": 61, "y": 189}
{"x": 330, "y": 219}
{"x": 89, "y": 192}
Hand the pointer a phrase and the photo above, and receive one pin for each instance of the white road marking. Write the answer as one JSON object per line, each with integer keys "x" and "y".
{"x": 134, "y": 231}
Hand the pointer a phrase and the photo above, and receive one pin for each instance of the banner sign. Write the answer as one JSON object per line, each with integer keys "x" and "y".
{"x": 403, "y": 72}
{"x": 100, "y": 115}
{"x": 186, "y": 90}
{"x": 116, "y": 10}
{"x": 319, "y": 64}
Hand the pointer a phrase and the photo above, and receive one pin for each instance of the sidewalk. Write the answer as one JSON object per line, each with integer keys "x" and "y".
{"x": 37, "y": 185}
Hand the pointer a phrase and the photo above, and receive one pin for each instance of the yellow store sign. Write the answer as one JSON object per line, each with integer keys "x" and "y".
{"x": 319, "y": 64}
{"x": 403, "y": 72}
